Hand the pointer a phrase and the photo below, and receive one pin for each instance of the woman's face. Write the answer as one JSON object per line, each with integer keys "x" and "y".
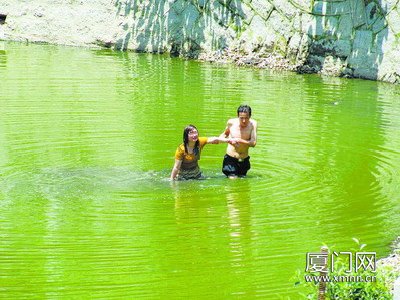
{"x": 193, "y": 135}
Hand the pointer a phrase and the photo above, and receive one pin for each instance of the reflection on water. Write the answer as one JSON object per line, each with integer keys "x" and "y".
{"x": 87, "y": 144}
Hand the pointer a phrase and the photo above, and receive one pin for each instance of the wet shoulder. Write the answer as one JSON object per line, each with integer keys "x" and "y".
{"x": 203, "y": 140}
{"x": 253, "y": 123}
{"x": 233, "y": 121}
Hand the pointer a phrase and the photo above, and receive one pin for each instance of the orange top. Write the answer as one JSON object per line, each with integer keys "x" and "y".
{"x": 186, "y": 157}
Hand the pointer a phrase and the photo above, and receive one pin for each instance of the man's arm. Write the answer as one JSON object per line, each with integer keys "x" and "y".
{"x": 253, "y": 137}
{"x": 227, "y": 130}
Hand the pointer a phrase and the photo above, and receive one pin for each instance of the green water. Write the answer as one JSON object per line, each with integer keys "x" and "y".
{"x": 87, "y": 140}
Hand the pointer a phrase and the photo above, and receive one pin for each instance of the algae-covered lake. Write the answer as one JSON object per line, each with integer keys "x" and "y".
{"x": 87, "y": 143}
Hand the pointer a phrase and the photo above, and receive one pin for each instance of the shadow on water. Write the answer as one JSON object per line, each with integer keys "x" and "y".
{"x": 178, "y": 28}
{"x": 3, "y": 58}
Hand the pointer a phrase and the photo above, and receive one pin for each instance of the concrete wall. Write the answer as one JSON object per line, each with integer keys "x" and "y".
{"x": 354, "y": 38}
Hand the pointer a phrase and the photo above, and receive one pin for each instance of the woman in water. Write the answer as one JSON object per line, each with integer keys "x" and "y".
{"x": 187, "y": 154}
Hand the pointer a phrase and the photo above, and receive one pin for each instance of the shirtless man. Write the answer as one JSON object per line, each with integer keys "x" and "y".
{"x": 242, "y": 132}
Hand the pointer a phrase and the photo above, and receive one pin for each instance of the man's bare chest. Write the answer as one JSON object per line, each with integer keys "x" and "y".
{"x": 241, "y": 133}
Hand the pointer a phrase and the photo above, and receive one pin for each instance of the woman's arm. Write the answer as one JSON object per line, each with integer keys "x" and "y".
{"x": 175, "y": 169}
{"x": 217, "y": 140}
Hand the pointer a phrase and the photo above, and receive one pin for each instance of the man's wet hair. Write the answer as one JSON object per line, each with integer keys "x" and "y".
{"x": 186, "y": 131}
{"x": 244, "y": 109}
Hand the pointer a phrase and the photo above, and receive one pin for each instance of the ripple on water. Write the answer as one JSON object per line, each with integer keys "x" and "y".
{"x": 88, "y": 141}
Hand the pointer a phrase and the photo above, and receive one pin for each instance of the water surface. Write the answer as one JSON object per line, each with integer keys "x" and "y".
{"x": 87, "y": 144}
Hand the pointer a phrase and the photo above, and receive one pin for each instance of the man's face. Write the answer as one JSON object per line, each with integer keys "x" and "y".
{"x": 244, "y": 119}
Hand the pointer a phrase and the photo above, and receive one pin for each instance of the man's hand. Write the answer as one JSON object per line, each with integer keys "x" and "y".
{"x": 234, "y": 141}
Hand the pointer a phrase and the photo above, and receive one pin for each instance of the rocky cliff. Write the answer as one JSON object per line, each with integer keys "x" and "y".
{"x": 353, "y": 38}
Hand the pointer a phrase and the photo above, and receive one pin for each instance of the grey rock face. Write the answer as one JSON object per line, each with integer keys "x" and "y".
{"x": 343, "y": 38}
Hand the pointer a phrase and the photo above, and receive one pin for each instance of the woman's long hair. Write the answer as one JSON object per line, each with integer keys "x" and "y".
{"x": 186, "y": 139}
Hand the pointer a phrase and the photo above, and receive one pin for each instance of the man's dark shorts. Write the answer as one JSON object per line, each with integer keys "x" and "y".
{"x": 235, "y": 167}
